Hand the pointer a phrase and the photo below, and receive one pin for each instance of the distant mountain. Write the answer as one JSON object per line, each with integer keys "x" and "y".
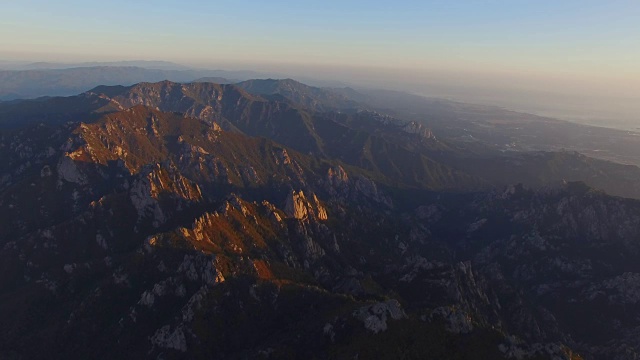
{"x": 156, "y": 65}
{"x": 481, "y": 125}
{"x": 70, "y": 81}
{"x": 308, "y": 97}
{"x": 12, "y": 65}
{"x": 53, "y": 110}
{"x": 473, "y": 138}
{"x": 217, "y": 80}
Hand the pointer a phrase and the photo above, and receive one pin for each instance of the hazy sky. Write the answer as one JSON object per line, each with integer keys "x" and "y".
{"x": 579, "y": 46}
{"x": 572, "y": 36}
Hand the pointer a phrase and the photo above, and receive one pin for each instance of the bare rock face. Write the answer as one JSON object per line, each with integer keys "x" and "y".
{"x": 320, "y": 211}
{"x": 337, "y": 176}
{"x": 374, "y": 317}
{"x": 413, "y": 127}
{"x": 68, "y": 171}
{"x": 145, "y": 204}
{"x": 274, "y": 216}
{"x": 337, "y": 182}
{"x": 146, "y": 191}
{"x": 201, "y": 267}
{"x": 297, "y": 206}
{"x": 368, "y": 188}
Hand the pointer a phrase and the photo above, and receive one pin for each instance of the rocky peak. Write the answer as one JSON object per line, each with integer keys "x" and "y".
{"x": 337, "y": 176}
{"x": 298, "y": 206}
{"x": 413, "y": 127}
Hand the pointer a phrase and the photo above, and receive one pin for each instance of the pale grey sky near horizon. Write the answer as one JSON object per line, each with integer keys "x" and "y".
{"x": 468, "y": 49}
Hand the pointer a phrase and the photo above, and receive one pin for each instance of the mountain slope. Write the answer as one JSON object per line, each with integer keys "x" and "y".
{"x": 400, "y": 152}
{"x": 308, "y": 132}
{"x": 308, "y": 97}
{"x": 154, "y": 234}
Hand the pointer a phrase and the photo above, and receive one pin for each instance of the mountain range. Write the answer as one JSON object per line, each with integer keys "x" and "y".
{"x": 268, "y": 219}
{"x": 44, "y": 79}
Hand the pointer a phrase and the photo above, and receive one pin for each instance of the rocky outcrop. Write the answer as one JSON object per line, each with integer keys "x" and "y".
{"x": 68, "y": 171}
{"x": 272, "y": 211}
{"x": 298, "y": 206}
{"x": 369, "y": 189}
{"x": 622, "y": 289}
{"x": 422, "y": 131}
{"x": 374, "y": 317}
{"x": 146, "y": 192}
{"x": 167, "y": 338}
{"x": 337, "y": 177}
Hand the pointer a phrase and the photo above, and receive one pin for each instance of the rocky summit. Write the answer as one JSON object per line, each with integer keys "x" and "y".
{"x": 273, "y": 220}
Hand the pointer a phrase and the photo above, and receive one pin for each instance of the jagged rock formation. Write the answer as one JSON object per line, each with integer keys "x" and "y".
{"x": 299, "y": 207}
{"x": 423, "y": 132}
